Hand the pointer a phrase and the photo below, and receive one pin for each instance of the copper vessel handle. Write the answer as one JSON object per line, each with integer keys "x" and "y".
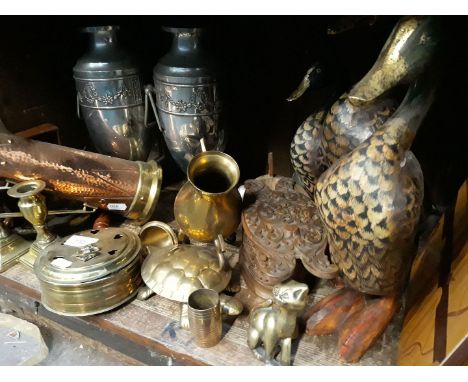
{"x": 149, "y": 89}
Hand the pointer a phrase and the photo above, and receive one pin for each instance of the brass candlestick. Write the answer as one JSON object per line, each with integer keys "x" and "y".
{"x": 33, "y": 207}
{"x": 12, "y": 247}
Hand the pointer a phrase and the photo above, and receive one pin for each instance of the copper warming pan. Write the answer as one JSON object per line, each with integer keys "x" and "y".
{"x": 127, "y": 187}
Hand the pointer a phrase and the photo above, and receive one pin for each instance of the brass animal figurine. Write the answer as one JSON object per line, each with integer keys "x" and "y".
{"x": 273, "y": 322}
{"x": 328, "y": 134}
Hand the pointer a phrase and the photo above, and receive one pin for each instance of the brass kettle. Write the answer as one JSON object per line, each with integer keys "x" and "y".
{"x": 209, "y": 204}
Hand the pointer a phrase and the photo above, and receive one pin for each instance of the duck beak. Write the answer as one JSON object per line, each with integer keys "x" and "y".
{"x": 304, "y": 85}
{"x": 393, "y": 64}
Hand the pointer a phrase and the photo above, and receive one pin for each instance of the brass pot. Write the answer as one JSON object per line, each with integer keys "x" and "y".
{"x": 209, "y": 203}
{"x": 90, "y": 272}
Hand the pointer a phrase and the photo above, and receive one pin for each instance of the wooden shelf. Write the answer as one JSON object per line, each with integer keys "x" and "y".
{"x": 148, "y": 331}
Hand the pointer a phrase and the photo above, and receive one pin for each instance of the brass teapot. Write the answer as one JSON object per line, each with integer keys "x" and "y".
{"x": 209, "y": 204}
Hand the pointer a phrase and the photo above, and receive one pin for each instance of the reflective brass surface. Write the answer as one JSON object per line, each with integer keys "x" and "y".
{"x": 12, "y": 247}
{"x": 33, "y": 207}
{"x": 230, "y": 306}
{"x": 93, "y": 278}
{"x": 157, "y": 234}
{"x": 273, "y": 322}
{"x": 209, "y": 203}
{"x": 175, "y": 272}
{"x": 204, "y": 315}
{"x": 148, "y": 190}
{"x": 406, "y": 53}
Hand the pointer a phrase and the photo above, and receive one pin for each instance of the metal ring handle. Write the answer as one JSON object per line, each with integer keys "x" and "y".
{"x": 27, "y": 188}
{"x": 165, "y": 227}
{"x": 149, "y": 89}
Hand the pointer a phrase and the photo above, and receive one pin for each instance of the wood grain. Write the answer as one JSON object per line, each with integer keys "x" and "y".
{"x": 154, "y": 324}
{"x": 426, "y": 289}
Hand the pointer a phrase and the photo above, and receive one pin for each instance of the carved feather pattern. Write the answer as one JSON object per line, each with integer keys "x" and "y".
{"x": 369, "y": 201}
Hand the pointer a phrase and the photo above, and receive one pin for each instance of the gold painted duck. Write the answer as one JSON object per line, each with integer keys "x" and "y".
{"x": 370, "y": 199}
{"x": 328, "y": 134}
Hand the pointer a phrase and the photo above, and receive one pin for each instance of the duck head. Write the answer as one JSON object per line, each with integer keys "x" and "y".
{"x": 313, "y": 78}
{"x": 404, "y": 56}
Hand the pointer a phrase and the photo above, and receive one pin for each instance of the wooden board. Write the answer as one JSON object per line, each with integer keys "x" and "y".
{"x": 435, "y": 329}
{"x": 152, "y": 327}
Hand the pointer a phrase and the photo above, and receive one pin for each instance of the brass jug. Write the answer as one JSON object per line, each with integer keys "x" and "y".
{"x": 209, "y": 204}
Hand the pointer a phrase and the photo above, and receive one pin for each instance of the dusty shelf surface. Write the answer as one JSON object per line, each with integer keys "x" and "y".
{"x": 148, "y": 331}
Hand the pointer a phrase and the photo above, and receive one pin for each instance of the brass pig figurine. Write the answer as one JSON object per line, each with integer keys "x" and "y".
{"x": 273, "y": 322}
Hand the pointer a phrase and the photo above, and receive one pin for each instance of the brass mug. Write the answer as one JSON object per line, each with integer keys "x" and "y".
{"x": 204, "y": 314}
{"x": 209, "y": 204}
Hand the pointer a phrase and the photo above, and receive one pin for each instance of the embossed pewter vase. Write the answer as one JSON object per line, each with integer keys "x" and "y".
{"x": 110, "y": 97}
{"x": 209, "y": 204}
{"x": 187, "y": 106}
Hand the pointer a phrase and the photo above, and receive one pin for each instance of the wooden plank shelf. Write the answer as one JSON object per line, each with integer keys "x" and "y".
{"x": 148, "y": 331}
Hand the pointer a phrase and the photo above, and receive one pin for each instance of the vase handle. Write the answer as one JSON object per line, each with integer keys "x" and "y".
{"x": 220, "y": 250}
{"x": 202, "y": 144}
{"x": 149, "y": 90}
{"x": 78, "y": 112}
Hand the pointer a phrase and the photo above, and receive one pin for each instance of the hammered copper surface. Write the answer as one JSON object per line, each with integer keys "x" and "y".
{"x": 95, "y": 179}
{"x": 280, "y": 225}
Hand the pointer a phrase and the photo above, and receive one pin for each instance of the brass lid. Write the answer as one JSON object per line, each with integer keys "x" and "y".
{"x": 175, "y": 272}
{"x": 87, "y": 256}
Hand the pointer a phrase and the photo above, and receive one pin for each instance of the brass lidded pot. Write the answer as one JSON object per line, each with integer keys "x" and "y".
{"x": 209, "y": 204}
{"x": 90, "y": 272}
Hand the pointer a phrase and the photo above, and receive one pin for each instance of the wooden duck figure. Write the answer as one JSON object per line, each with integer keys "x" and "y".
{"x": 369, "y": 202}
{"x": 381, "y": 206}
{"x": 332, "y": 132}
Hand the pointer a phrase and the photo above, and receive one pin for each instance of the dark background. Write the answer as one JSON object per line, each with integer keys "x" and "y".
{"x": 262, "y": 59}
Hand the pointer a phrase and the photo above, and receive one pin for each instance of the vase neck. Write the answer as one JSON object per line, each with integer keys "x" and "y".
{"x": 186, "y": 42}
{"x": 104, "y": 39}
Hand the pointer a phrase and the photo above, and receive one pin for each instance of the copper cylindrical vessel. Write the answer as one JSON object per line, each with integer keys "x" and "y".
{"x": 127, "y": 187}
{"x": 204, "y": 314}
